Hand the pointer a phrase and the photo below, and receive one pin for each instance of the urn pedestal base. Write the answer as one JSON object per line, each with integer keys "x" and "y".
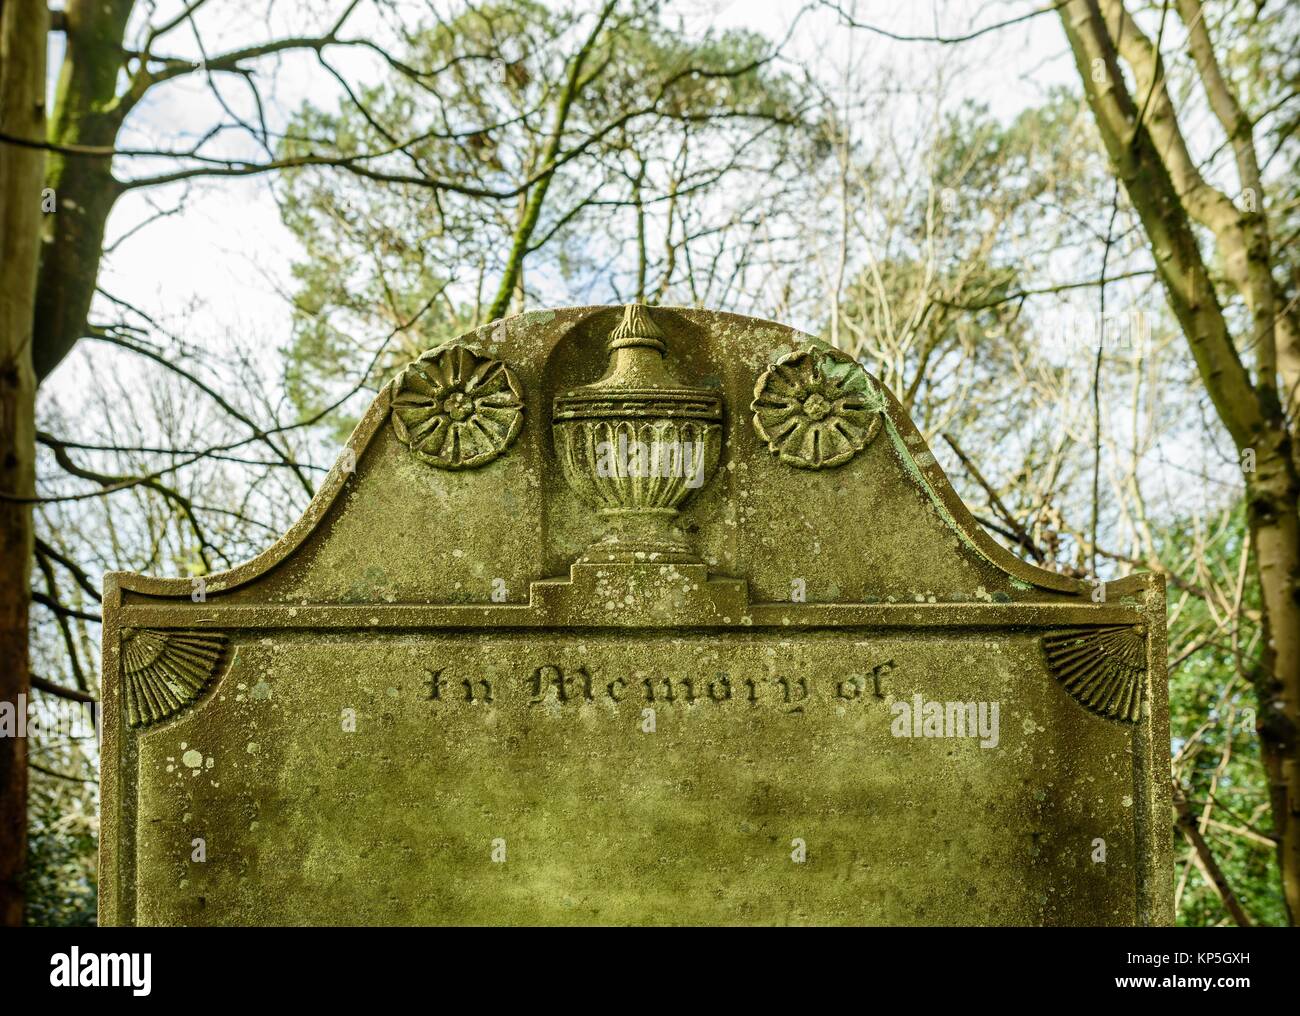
{"x": 641, "y": 594}
{"x": 640, "y": 536}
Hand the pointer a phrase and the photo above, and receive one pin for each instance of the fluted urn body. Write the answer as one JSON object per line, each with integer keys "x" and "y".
{"x": 636, "y": 444}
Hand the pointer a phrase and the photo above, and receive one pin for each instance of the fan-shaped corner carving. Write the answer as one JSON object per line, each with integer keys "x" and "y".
{"x": 164, "y": 671}
{"x": 1103, "y": 668}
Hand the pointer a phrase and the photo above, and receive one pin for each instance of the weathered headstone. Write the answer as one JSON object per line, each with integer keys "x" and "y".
{"x": 628, "y": 615}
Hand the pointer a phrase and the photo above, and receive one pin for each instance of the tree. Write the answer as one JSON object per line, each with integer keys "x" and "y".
{"x": 658, "y": 145}
{"x": 1234, "y": 308}
{"x": 22, "y": 115}
{"x": 1179, "y": 209}
{"x": 50, "y": 270}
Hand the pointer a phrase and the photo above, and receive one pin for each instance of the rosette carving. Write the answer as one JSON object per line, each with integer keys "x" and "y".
{"x": 456, "y": 408}
{"x": 816, "y": 408}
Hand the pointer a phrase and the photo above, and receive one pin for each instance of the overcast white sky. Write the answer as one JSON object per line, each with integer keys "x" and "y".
{"x": 225, "y": 254}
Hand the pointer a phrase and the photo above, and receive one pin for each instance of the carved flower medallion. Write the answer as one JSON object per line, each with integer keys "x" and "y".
{"x": 457, "y": 409}
{"x": 816, "y": 408}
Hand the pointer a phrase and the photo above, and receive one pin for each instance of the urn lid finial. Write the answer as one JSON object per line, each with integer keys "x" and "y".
{"x": 637, "y": 329}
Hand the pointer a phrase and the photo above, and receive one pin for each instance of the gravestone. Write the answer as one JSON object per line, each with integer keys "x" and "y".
{"x": 635, "y": 616}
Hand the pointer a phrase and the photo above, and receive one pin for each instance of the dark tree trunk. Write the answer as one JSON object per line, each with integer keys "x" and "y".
{"x": 23, "y": 26}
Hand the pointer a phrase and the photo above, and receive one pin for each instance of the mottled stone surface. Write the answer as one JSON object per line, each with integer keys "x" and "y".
{"x": 455, "y": 692}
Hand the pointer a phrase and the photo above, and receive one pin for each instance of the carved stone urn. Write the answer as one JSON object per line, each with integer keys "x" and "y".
{"x": 636, "y": 444}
